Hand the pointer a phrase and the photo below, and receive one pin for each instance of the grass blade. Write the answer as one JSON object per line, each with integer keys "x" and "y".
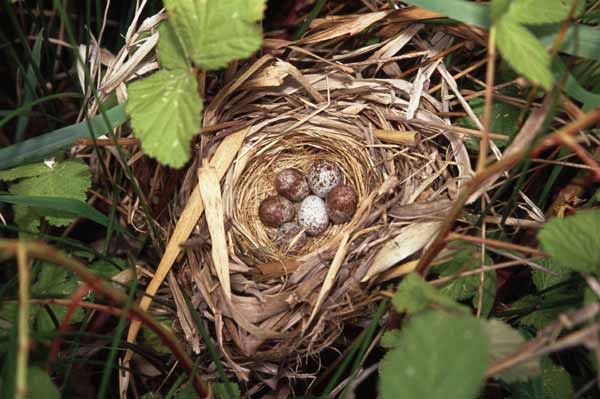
{"x": 38, "y": 148}
{"x": 29, "y": 89}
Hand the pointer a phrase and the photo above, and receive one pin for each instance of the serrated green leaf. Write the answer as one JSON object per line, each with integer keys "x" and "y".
{"x": 543, "y": 280}
{"x": 537, "y": 318}
{"x": 68, "y": 179}
{"x": 20, "y": 172}
{"x": 505, "y": 340}
{"x": 573, "y": 242}
{"x": 56, "y": 282}
{"x": 171, "y": 53}
{"x": 464, "y": 258}
{"x": 524, "y": 52}
{"x": 39, "y": 385}
{"x": 557, "y": 382}
{"x": 165, "y": 114}
{"x": 438, "y": 356}
{"x": 415, "y": 295}
{"x": 537, "y": 12}
{"x": 217, "y": 31}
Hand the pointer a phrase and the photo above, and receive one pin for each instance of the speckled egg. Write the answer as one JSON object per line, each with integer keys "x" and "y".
{"x": 290, "y": 236}
{"x": 276, "y": 210}
{"x": 323, "y": 176}
{"x": 341, "y": 203}
{"x": 312, "y": 215}
{"x": 291, "y": 184}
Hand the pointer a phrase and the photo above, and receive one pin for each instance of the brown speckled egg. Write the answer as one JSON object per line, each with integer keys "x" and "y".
{"x": 323, "y": 176}
{"x": 312, "y": 215}
{"x": 292, "y": 184}
{"x": 341, "y": 203}
{"x": 290, "y": 236}
{"x": 275, "y": 210}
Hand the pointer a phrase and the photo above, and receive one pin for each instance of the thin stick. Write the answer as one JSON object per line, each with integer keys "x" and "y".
{"x": 472, "y": 185}
{"x": 495, "y": 243}
{"x": 484, "y": 143}
{"x": 23, "y": 322}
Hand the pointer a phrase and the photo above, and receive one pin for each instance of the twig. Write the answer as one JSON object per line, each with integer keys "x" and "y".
{"x": 42, "y": 251}
{"x": 23, "y": 321}
{"x": 484, "y": 143}
{"x": 496, "y": 243}
{"x": 472, "y": 185}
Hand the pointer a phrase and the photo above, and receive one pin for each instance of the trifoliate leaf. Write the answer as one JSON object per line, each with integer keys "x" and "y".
{"x": 40, "y": 385}
{"x": 438, "y": 356}
{"x": 165, "y": 114}
{"x": 217, "y": 31}
{"x": 68, "y": 179}
{"x": 171, "y": 53}
{"x": 505, "y": 340}
{"x": 415, "y": 295}
{"x": 524, "y": 52}
{"x": 573, "y": 242}
{"x": 537, "y": 12}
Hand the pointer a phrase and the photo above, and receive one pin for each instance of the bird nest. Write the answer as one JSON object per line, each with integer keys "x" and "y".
{"x": 371, "y": 110}
{"x": 287, "y": 306}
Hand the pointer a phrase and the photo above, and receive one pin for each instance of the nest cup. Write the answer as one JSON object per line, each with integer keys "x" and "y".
{"x": 268, "y": 153}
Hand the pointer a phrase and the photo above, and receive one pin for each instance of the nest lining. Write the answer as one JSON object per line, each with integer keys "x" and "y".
{"x": 269, "y": 153}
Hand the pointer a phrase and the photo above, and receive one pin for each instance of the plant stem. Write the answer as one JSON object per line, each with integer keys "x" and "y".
{"x": 489, "y": 91}
{"x": 23, "y": 321}
{"x": 42, "y": 251}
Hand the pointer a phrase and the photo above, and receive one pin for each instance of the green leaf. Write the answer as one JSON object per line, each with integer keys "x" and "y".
{"x": 467, "y": 257}
{"x": 540, "y": 316}
{"x": 56, "y": 282}
{"x": 40, "y": 147}
{"x": 216, "y": 32}
{"x": 221, "y": 390}
{"x": 543, "y": 280}
{"x": 505, "y": 340}
{"x": 557, "y": 382}
{"x": 415, "y": 295}
{"x": 536, "y": 12}
{"x": 29, "y": 170}
{"x": 171, "y": 53}
{"x": 465, "y": 11}
{"x": 524, "y": 52}
{"x": 165, "y": 114}
{"x": 40, "y": 385}
{"x": 68, "y": 179}
{"x": 438, "y": 356}
{"x": 573, "y": 242}
{"x": 48, "y": 206}
{"x": 504, "y": 117}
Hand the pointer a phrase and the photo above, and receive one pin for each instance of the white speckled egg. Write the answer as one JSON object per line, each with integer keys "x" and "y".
{"x": 323, "y": 176}
{"x": 312, "y": 215}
